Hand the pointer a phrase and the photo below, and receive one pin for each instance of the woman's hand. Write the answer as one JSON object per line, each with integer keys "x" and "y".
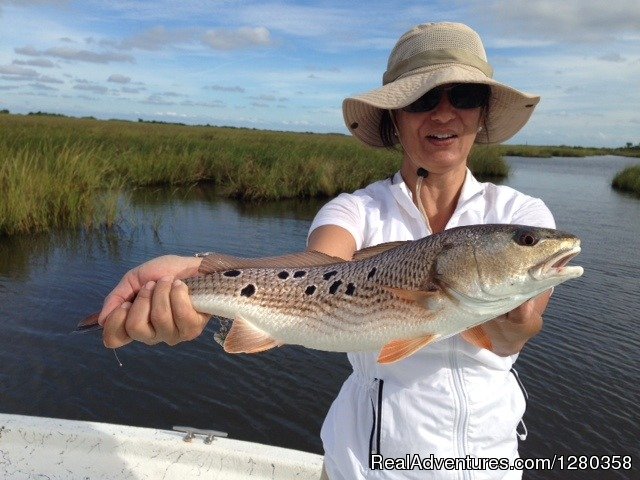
{"x": 151, "y": 305}
{"x": 509, "y": 332}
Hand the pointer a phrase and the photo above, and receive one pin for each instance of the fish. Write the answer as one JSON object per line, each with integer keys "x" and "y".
{"x": 393, "y": 298}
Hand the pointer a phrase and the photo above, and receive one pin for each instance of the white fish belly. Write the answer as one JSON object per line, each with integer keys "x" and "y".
{"x": 340, "y": 330}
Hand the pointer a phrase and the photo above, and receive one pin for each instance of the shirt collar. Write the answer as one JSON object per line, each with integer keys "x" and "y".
{"x": 471, "y": 188}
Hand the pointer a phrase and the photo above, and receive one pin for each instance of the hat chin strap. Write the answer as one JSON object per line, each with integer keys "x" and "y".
{"x": 421, "y": 172}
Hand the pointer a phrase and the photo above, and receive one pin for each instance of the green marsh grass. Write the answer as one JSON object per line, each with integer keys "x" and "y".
{"x": 59, "y": 172}
{"x": 486, "y": 162}
{"x": 44, "y": 187}
{"x": 628, "y": 180}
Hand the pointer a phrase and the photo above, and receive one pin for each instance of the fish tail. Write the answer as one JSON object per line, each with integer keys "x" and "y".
{"x": 89, "y": 324}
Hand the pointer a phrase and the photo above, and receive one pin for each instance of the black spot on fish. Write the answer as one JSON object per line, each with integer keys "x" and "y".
{"x": 372, "y": 273}
{"x": 232, "y": 273}
{"x": 310, "y": 290}
{"x": 334, "y": 286}
{"x": 330, "y": 274}
{"x": 299, "y": 274}
{"x": 351, "y": 289}
{"x": 283, "y": 275}
{"x": 248, "y": 290}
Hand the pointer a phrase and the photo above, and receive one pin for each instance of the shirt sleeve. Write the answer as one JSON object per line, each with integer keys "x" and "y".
{"x": 534, "y": 212}
{"x": 344, "y": 211}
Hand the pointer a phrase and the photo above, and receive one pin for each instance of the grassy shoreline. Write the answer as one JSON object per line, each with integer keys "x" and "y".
{"x": 61, "y": 172}
{"x": 628, "y": 180}
{"x": 549, "y": 151}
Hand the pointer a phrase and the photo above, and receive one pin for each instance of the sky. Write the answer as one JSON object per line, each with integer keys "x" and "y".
{"x": 287, "y": 65}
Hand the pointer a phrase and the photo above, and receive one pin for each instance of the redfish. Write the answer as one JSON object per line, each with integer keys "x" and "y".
{"x": 395, "y": 298}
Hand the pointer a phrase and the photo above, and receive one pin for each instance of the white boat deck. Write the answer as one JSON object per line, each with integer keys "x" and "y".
{"x": 53, "y": 449}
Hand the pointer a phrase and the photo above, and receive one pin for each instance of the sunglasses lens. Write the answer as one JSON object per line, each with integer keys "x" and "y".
{"x": 462, "y": 96}
{"x": 469, "y": 95}
{"x": 428, "y": 101}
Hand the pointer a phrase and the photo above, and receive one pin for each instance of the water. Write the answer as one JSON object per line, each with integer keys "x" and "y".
{"x": 582, "y": 372}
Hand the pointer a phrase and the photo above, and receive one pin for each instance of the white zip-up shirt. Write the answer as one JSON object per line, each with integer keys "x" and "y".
{"x": 449, "y": 400}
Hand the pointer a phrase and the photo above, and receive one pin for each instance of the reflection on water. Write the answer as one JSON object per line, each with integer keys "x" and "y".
{"x": 582, "y": 371}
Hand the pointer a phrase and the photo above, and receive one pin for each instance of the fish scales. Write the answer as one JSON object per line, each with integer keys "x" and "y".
{"x": 282, "y": 304}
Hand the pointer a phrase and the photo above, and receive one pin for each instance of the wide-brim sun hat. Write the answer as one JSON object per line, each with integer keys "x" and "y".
{"x": 430, "y": 55}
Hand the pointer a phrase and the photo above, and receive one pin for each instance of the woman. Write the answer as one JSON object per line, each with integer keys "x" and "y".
{"x": 451, "y": 400}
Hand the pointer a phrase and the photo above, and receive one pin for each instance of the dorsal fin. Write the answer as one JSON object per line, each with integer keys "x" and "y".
{"x": 369, "y": 252}
{"x": 216, "y": 262}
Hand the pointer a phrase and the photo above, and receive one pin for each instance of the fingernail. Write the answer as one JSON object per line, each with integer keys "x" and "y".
{"x": 126, "y": 305}
{"x": 149, "y": 285}
{"x": 177, "y": 283}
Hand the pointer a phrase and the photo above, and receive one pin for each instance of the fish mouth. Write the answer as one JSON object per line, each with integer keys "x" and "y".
{"x": 556, "y": 266}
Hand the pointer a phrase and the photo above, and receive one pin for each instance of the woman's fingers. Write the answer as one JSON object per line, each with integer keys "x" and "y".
{"x": 188, "y": 322}
{"x": 138, "y": 325}
{"x": 148, "y": 306}
{"x": 115, "y": 334}
{"x": 161, "y": 316}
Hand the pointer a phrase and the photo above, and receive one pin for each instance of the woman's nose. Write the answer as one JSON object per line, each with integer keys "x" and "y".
{"x": 444, "y": 111}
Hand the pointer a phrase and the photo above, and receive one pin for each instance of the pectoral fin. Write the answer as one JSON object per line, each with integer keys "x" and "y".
{"x": 399, "y": 349}
{"x": 477, "y": 336}
{"x": 246, "y": 338}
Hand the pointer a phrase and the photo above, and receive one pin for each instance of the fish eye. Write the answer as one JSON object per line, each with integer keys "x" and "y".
{"x": 526, "y": 239}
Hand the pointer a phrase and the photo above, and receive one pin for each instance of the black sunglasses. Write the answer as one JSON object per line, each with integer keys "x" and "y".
{"x": 462, "y": 95}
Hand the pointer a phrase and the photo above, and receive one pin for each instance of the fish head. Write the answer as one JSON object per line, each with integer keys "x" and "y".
{"x": 508, "y": 262}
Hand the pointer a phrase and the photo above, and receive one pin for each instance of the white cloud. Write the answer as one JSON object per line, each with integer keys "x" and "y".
{"x": 213, "y": 104}
{"x": 90, "y": 87}
{"x": 47, "y": 79}
{"x": 221, "y": 88}
{"x": 41, "y": 86}
{"x": 157, "y": 100}
{"x": 18, "y": 71}
{"x": 36, "y": 62}
{"x": 31, "y": 3}
{"x": 244, "y": 37}
{"x": 573, "y": 21}
{"x": 132, "y": 89}
{"x": 300, "y": 20}
{"x": 612, "y": 57}
{"x": 264, "y": 98}
{"x": 117, "y": 78}
{"x": 158, "y": 38}
{"x": 75, "y": 54}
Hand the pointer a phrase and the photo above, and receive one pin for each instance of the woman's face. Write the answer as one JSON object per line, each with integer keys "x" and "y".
{"x": 438, "y": 140}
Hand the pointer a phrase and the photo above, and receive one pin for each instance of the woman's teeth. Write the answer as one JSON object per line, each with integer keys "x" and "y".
{"x": 441, "y": 137}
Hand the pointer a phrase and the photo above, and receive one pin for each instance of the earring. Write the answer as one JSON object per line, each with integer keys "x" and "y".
{"x": 479, "y": 129}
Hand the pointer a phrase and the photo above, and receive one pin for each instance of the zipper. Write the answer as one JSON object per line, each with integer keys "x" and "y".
{"x": 462, "y": 417}
{"x": 376, "y": 426}
{"x": 521, "y": 429}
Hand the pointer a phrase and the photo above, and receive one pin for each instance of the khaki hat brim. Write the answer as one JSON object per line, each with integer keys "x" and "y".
{"x": 509, "y": 109}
